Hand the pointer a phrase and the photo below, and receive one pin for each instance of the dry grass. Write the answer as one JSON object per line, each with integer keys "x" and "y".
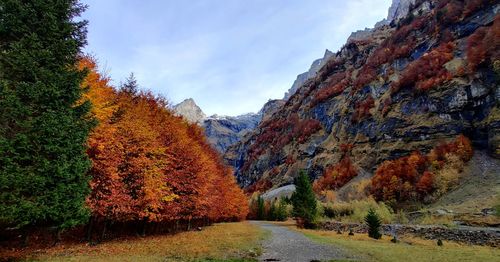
{"x": 408, "y": 249}
{"x": 220, "y": 242}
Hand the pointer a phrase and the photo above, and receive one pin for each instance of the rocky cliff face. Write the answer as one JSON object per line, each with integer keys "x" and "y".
{"x": 302, "y": 78}
{"x": 425, "y": 78}
{"x": 225, "y": 131}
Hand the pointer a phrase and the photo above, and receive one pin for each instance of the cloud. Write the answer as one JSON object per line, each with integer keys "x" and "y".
{"x": 230, "y": 56}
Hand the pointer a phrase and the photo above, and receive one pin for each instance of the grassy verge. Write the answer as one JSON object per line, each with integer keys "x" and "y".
{"x": 408, "y": 249}
{"x": 220, "y": 242}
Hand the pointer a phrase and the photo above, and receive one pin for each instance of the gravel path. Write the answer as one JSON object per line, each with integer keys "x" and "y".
{"x": 287, "y": 245}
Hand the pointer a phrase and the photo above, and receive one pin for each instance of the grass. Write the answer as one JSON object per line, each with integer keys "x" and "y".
{"x": 408, "y": 249}
{"x": 220, "y": 242}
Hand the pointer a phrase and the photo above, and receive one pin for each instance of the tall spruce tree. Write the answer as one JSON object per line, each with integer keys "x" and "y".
{"x": 43, "y": 122}
{"x": 304, "y": 201}
{"x": 374, "y": 223}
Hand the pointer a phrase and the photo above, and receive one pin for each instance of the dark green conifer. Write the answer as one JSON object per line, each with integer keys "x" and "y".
{"x": 374, "y": 223}
{"x": 304, "y": 201}
{"x": 44, "y": 125}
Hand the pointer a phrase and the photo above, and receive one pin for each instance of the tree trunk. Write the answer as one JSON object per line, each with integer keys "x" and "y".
{"x": 89, "y": 229}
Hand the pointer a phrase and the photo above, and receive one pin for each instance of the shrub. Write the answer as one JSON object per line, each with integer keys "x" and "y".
{"x": 374, "y": 223}
{"x": 362, "y": 109}
{"x": 336, "y": 176}
{"x": 482, "y": 45}
{"x": 410, "y": 177}
{"x": 427, "y": 71}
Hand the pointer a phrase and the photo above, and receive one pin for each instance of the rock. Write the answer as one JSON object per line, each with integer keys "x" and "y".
{"x": 302, "y": 78}
{"x": 190, "y": 111}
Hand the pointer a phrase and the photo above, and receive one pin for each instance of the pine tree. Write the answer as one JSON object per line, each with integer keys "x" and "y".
{"x": 261, "y": 209}
{"x": 272, "y": 215}
{"x": 281, "y": 213}
{"x": 130, "y": 86}
{"x": 374, "y": 223}
{"x": 304, "y": 201}
{"x": 44, "y": 124}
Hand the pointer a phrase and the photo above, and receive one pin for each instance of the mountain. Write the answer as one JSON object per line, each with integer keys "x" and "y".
{"x": 221, "y": 131}
{"x": 302, "y": 78}
{"x": 419, "y": 79}
{"x": 225, "y": 131}
{"x": 190, "y": 111}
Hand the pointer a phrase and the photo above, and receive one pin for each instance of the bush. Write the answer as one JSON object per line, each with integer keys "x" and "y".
{"x": 416, "y": 176}
{"x": 355, "y": 211}
{"x": 374, "y": 223}
{"x": 427, "y": 71}
{"x": 482, "y": 45}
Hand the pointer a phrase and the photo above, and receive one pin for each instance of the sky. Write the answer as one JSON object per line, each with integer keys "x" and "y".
{"x": 230, "y": 56}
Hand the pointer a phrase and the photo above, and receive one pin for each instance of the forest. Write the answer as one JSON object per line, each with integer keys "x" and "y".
{"x": 82, "y": 157}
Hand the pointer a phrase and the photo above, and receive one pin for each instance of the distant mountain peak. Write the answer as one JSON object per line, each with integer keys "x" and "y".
{"x": 190, "y": 111}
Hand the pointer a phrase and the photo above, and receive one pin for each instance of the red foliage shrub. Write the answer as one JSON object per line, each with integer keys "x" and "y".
{"x": 428, "y": 70}
{"x": 278, "y": 133}
{"x": 336, "y": 176}
{"x": 451, "y": 12}
{"x": 365, "y": 76}
{"x": 408, "y": 178}
{"x": 290, "y": 160}
{"x": 346, "y": 148}
{"x": 462, "y": 147}
{"x": 362, "y": 109}
{"x": 483, "y": 45}
{"x": 336, "y": 84}
{"x": 425, "y": 184}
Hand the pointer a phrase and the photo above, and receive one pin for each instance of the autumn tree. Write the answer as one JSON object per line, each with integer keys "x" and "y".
{"x": 150, "y": 166}
{"x": 44, "y": 124}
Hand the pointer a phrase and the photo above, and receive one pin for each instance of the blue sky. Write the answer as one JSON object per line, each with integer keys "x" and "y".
{"x": 230, "y": 56}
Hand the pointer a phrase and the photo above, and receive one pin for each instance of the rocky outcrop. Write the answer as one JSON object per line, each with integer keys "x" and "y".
{"x": 466, "y": 235}
{"x": 270, "y": 108}
{"x": 302, "y": 78}
{"x": 190, "y": 111}
{"x": 408, "y": 86}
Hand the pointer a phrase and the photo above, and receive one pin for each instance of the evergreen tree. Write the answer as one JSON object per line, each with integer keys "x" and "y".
{"x": 44, "y": 125}
{"x": 281, "y": 212}
{"x": 130, "y": 86}
{"x": 304, "y": 201}
{"x": 271, "y": 215}
{"x": 261, "y": 209}
{"x": 374, "y": 223}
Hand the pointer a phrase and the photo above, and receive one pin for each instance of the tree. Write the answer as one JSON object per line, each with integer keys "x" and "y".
{"x": 130, "y": 86}
{"x": 374, "y": 223}
{"x": 44, "y": 124}
{"x": 281, "y": 212}
{"x": 304, "y": 201}
{"x": 261, "y": 209}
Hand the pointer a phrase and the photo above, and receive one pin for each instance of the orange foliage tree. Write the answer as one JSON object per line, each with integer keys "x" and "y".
{"x": 151, "y": 166}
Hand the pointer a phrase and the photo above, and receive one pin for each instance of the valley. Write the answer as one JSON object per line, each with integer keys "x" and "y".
{"x": 387, "y": 149}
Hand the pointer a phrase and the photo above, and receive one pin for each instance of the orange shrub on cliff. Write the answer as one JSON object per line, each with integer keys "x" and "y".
{"x": 338, "y": 175}
{"x": 410, "y": 177}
